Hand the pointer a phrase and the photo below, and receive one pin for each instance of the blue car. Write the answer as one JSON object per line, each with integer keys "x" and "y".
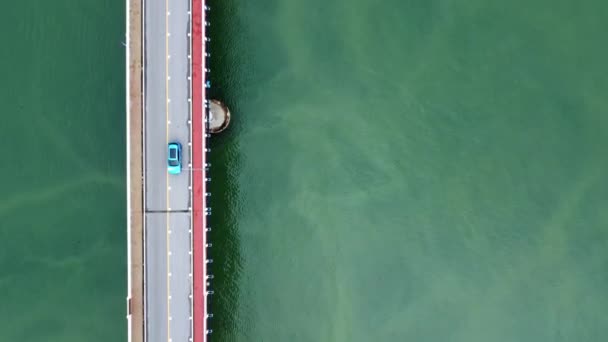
{"x": 174, "y": 159}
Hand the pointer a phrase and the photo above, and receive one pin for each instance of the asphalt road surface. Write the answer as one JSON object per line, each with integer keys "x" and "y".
{"x": 168, "y": 280}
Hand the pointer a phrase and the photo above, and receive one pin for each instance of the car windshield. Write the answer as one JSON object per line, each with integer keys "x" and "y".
{"x": 172, "y": 153}
{"x": 173, "y": 162}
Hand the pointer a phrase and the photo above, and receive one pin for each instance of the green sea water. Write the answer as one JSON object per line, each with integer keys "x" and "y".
{"x": 410, "y": 170}
{"x": 62, "y": 179}
{"x": 394, "y": 171}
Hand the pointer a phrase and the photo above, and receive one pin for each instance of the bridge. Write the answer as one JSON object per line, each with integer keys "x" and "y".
{"x": 167, "y": 213}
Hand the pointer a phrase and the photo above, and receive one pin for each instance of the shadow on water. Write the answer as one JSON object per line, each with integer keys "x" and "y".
{"x": 224, "y": 158}
{"x": 245, "y": 58}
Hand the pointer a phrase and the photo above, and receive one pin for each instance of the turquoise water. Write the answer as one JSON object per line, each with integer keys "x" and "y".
{"x": 62, "y": 204}
{"x": 410, "y": 171}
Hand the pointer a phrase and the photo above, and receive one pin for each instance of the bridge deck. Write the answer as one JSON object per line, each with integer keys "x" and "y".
{"x": 172, "y": 208}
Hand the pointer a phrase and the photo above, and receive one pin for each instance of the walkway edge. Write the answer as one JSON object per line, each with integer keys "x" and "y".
{"x": 198, "y": 180}
{"x": 134, "y": 171}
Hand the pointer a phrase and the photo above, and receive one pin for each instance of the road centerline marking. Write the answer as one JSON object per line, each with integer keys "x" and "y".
{"x": 167, "y": 173}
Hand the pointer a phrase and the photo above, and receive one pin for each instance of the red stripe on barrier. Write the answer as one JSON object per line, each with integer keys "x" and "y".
{"x": 198, "y": 175}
